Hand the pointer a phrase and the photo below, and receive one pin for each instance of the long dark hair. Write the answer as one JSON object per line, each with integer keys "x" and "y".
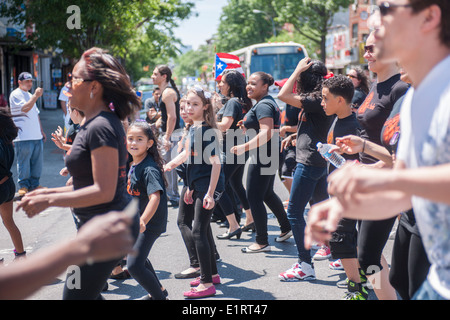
{"x": 153, "y": 150}
{"x": 362, "y": 77}
{"x": 309, "y": 83}
{"x": 165, "y": 70}
{"x": 118, "y": 92}
{"x": 8, "y": 130}
{"x": 237, "y": 84}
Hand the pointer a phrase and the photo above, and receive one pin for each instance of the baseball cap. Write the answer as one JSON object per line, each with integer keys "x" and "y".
{"x": 25, "y": 76}
{"x": 280, "y": 83}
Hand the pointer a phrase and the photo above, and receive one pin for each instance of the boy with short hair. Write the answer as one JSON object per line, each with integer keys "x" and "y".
{"x": 337, "y": 94}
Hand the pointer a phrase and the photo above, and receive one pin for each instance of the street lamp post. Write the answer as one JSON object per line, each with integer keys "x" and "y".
{"x": 274, "y": 31}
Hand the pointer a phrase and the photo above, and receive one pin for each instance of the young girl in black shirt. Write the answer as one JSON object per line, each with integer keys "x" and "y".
{"x": 205, "y": 183}
{"x": 146, "y": 182}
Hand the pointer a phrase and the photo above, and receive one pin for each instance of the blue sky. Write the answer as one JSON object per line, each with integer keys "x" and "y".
{"x": 196, "y": 30}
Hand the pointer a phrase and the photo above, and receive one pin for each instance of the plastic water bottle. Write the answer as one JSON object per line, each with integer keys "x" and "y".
{"x": 334, "y": 158}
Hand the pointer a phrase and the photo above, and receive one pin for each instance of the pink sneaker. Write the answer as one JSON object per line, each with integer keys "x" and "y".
{"x": 322, "y": 254}
{"x": 195, "y": 294}
{"x": 196, "y": 282}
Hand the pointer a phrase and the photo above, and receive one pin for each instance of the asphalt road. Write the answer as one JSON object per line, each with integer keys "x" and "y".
{"x": 244, "y": 276}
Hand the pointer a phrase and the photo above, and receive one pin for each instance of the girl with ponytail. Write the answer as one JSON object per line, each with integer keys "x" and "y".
{"x": 146, "y": 182}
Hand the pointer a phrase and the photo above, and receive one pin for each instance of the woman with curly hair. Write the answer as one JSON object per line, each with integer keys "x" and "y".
{"x": 310, "y": 176}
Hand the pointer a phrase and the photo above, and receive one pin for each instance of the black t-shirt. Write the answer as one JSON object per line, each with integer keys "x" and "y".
{"x": 72, "y": 133}
{"x": 232, "y": 108}
{"x": 103, "y": 130}
{"x": 313, "y": 126}
{"x": 290, "y": 117}
{"x": 6, "y": 158}
{"x": 163, "y": 109}
{"x": 342, "y": 127}
{"x": 203, "y": 143}
{"x": 265, "y": 108}
{"x": 376, "y": 108}
{"x": 390, "y": 133}
{"x": 144, "y": 179}
{"x": 358, "y": 98}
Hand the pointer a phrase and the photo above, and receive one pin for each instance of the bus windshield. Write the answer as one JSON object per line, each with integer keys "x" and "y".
{"x": 280, "y": 65}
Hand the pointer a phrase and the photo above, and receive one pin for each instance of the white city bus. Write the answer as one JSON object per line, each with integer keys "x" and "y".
{"x": 277, "y": 58}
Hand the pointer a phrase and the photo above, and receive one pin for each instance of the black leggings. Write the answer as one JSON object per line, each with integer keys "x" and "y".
{"x": 194, "y": 224}
{"x": 233, "y": 185}
{"x": 259, "y": 192}
{"x": 409, "y": 265}
{"x": 372, "y": 237}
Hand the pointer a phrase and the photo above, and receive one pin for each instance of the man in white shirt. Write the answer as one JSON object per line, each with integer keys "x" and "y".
{"x": 416, "y": 33}
{"x": 29, "y": 142}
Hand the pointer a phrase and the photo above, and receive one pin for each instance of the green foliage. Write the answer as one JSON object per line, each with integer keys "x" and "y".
{"x": 129, "y": 29}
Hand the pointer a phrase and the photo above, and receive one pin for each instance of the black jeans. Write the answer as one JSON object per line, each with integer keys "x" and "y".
{"x": 259, "y": 192}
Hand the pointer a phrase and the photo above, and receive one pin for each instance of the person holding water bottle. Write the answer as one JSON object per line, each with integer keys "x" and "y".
{"x": 337, "y": 94}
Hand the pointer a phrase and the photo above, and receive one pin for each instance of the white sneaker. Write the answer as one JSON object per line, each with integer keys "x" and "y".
{"x": 336, "y": 265}
{"x": 302, "y": 271}
{"x": 322, "y": 254}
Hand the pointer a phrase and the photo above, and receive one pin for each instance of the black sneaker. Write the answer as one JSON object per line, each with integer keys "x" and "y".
{"x": 173, "y": 203}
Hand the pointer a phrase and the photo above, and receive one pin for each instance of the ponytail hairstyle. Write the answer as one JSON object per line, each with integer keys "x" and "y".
{"x": 118, "y": 92}
{"x": 237, "y": 84}
{"x": 206, "y": 97}
{"x": 153, "y": 150}
{"x": 165, "y": 70}
{"x": 8, "y": 130}
{"x": 309, "y": 83}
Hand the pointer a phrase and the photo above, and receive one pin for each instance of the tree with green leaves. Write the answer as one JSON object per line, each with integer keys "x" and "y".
{"x": 127, "y": 28}
{"x": 310, "y": 18}
{"x": 240, "y": 26}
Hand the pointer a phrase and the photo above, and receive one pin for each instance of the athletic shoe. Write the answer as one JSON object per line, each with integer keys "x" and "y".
{"x": 336, "y": 265}
{"x": 356, "y": 291}
{"x": 366, "y": 284}
{"x": 322, "y": 254}
{"x": 302, "y": 271}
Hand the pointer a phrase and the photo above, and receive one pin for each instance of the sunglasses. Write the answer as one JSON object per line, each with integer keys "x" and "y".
{"x": 369, "y": 49}
{"x": 72, "y": 80}
{"x": 387, "y": 7}
{"x": 352, "y": 76}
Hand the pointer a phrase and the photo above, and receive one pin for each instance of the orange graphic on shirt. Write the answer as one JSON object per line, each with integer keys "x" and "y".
{"x": 330, "y": 137}
{"x": 367, "y": 104}
{"x": 390, "y": 127}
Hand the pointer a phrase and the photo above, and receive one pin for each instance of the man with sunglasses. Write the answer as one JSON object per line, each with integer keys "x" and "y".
{"x": 29, "y": 142}
{"x": 416, "y": 33}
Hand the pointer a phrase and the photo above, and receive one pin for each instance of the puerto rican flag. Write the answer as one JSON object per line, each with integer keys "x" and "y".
{"x": 225, "y": 61}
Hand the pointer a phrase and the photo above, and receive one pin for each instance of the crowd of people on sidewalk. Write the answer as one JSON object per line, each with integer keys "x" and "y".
{"x": 392, "y": 133}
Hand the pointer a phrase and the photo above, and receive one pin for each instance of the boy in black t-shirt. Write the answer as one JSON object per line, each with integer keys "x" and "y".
{"x": 337, "y": 94}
